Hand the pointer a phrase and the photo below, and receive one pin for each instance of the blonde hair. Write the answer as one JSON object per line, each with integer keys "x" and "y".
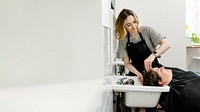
{"x": 120, "y": 31}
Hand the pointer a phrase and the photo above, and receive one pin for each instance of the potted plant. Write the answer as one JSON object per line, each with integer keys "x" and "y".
{"x": 195, "y": 39}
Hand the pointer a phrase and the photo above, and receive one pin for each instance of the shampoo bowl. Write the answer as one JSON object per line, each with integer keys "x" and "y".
{"x": 138, "y": 95}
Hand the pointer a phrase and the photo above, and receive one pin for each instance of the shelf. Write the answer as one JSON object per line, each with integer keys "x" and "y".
{"x": 198, "y": 58}
{"x": 193, "y": 46}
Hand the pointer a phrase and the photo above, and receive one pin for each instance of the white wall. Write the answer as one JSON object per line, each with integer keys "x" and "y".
{"x": 50, "y": 41}
{"x": 51, "y": 56}
{"x": 168, "y": 18}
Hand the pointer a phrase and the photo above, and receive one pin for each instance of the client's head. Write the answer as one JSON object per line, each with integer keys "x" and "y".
{"x": 157, "y": 77}
{"x": 150, "y": 78}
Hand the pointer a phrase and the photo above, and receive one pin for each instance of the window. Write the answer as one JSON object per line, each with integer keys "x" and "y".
{"x": 193, "y": 16}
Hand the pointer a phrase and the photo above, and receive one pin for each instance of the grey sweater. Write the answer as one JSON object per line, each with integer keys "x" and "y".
{"x": 151, "y": 37}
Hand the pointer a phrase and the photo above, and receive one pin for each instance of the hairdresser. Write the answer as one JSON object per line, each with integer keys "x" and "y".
{"x": 139, "y": 46}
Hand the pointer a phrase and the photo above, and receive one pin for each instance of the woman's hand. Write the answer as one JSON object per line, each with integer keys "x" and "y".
{"x": 140, "y": 78}
{"x": 148, "y": 62}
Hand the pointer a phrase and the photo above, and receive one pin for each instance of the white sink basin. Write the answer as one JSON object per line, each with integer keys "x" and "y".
{"x": 138, "y": 95}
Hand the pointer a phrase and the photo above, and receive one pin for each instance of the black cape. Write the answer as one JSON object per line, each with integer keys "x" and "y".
{"x": 184, "y": 94}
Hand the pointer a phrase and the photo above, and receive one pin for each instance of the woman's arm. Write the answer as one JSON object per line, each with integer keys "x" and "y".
{"x": 164, "y": 46}
{"x": 132, "y": 69}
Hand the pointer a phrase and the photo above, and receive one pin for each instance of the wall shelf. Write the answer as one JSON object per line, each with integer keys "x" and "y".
{"x": 198, "y": 58}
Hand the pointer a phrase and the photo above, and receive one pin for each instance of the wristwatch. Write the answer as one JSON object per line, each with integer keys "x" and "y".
{"x": 155, "y": 53}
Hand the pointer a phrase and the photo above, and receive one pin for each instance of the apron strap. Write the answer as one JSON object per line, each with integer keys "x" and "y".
{"x": 128, "y": 37}
{"x": 141, "y": 36}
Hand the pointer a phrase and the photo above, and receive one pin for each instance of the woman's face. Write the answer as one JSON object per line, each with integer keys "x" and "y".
{"x": 131, "y": 25}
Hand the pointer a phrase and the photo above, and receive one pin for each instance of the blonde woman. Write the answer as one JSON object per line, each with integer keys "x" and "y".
{"x": 138, "y": 45}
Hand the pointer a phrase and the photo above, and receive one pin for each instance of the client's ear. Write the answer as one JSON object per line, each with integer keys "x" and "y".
{"x": 160, "y": 82}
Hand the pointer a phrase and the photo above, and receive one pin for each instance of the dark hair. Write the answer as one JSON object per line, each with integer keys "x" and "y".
{"x": 150, "y": 78}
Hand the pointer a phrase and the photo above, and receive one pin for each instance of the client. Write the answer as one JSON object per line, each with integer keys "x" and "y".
{"x": 184, "y": 88}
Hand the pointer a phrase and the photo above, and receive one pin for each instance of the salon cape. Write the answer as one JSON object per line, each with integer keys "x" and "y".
{"x": 184, "y": 95}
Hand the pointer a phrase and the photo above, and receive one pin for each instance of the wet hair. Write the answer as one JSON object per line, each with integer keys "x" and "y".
{"x": 120, "y": 31}
{"x": 150, "y": 78}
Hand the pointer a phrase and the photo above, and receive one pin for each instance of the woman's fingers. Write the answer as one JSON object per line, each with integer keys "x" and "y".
{"x": 148, "y": 65}
{"x": 140, "y": 79}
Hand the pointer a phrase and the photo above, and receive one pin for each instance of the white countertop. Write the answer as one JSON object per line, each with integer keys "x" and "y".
{"x": 81, "y": 96}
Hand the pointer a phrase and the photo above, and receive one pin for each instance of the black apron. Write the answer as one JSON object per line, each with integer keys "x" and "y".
{"x": 137, "y": 53}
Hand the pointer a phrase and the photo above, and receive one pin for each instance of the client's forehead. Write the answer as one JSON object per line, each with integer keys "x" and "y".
{"x": 155, "y": 69}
